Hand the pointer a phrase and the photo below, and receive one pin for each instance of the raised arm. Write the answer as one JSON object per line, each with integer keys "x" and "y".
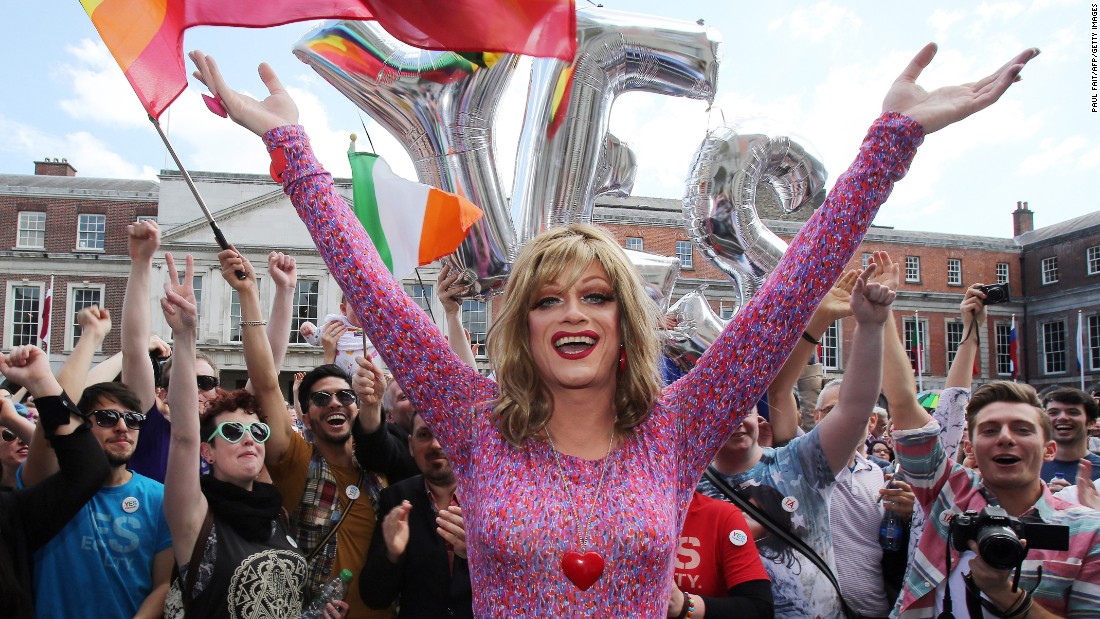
{"x": 95, "y": 324}
{"x": 781, "y": 401}
{"x": 184, "y": 504}
{"x": 973, "y": 314}
{"x": 257, "y": 353}
{"x": 22, "y": 427}
{"x": 843, "y": 428}
{"x": 105, "y": 371}
{"x": 137, "y": 372}
{"x": 284, "y": 275}
{"x": 447, "y": 290}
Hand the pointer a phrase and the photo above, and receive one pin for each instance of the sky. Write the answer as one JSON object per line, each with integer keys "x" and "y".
{"x": 818, "y": 69}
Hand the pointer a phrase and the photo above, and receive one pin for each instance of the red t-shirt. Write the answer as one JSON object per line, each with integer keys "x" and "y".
{"x": 717, "y": 550}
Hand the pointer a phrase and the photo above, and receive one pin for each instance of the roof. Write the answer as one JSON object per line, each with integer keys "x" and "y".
{"x": 77, "y": 186}
{"x": 1060, "y": 229}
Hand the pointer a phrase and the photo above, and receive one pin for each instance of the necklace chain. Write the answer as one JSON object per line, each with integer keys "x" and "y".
{"x": 583, "y": 538}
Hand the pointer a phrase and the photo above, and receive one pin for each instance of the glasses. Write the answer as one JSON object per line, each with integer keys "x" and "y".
{"x": 107, "y": 418}
{"x": 233, "y": 431}
{"x": 207, "y": 383}
{"x": 8, "y": 435}
{"x": 321, "y": 399}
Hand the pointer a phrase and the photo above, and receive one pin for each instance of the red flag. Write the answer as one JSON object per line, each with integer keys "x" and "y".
{"x": 1013, "y": 350}
{"x": 44, "y": 319}
{"x": 146, "y": 36}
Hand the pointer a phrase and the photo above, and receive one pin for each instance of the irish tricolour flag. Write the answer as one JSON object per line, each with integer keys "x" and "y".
{"x": 411, "y": 224}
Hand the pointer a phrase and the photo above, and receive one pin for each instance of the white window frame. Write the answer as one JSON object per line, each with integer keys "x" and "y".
{"x": 470, "y": 309}
{"x": 1043, "y": 347}
{"x": 421, "y": 294}
{"x": 23, "y": 226}
{"x": 832, "y": 343}
{"x": 1092, "y": 260}
{"x": 200, "y": 290}
{"x": 1002, "y": 333}
{"x": 80, "y": 221}
{"x": 922, "y": 329}
{"x": 954, "y": 272}
{"x": 1092, "y": 341}
{"x": 865, "y": 260}
{"x": 948, "y": 327}
{"x": 635, "y": 243}
{"x": 71, "y": 311}
{"x": 1049, "y": 269}
{"x": 687, "y": 260}
{"x": 141, "y": 218}
{"x": 726, "y": 309}
{"x": 912, "y": 265}
{"x": 9, "y": 309}
{"x": 295, "y": 322}
{"x": 1002, "y": 272}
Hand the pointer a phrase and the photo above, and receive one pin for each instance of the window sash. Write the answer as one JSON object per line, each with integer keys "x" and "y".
{"x": 475, "y": 319}
{"x": 91, "y": 230}
{"x": 1050, "y": 270}
{"x": 912, "y": 268}
{"x": 954, "y": 272}
{"x": 80, "y": 298}
{"x": 32, "y": 230}
{"x": 683, "y": 252}
{"x": 421, "y": 294}
{"x": 909, "y": 328}
{"x": 26, "y": 303}
{"x": 954, "y": 333}
{"x": 1092, "y": 259}
{"x": 634, "y": 243}
{"x": 235, "y": 313}
{"x": 304, "y": 307}
{"x": 1053, "y": 347}
{"x": 1092, "y": 340}
{"x": 830, "y": 347}
{"x": 1004, "y": 357}
{"x": 1002, "y": 272}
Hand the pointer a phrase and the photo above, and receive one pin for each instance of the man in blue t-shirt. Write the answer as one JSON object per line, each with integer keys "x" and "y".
{"x": 1070, "y": 411}
{"x": 118, "y": 548}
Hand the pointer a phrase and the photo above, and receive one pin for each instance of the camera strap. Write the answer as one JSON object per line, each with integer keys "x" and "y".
{"x": 795, "y": 542}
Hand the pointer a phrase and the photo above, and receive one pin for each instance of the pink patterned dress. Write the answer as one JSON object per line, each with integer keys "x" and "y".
{"x": 518, "y": 518}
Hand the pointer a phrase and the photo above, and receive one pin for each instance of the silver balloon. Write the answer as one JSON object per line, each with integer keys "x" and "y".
{"x": 698, "y": 327}
{"x": 729, "y": 170}
{"x": 568, "y": 106}
{"x": 661, "y": 271}
{"x": 616, "y": 169}
{"x": 441, "y": 107}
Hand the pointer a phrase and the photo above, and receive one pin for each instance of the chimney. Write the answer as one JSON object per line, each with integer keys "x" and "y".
{"x": 54, "y": 167}
{"x": 1023, "y": 220}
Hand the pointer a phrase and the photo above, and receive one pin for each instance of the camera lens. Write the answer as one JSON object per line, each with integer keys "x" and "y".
{"x": 1000, "y": 547}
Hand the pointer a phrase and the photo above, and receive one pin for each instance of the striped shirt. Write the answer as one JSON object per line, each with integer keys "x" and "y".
{"x": 1070, "y": 583}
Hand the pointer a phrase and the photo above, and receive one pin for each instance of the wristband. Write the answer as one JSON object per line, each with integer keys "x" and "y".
{"x": 809, "y": 338}
{"x": 689, "y": 607}
{"x": 253, "y": 323}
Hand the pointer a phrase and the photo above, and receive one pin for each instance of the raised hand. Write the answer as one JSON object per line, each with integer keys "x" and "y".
{"x": 95, "y": 322}
{"x": 837, "y": 302}
{"x": 259, "y": 117}
{"x": 232, "y": 261}
{"x": 973, "y": 306}
{"x": 887, "y": 272}
{"x": 160, "y": 347}
{"x": 395, "y": 530}
{"x": 870, "y": 300}
{"x": 282, "y": 269}
{"x": 30, "y": 367}
{"x": 307, "y": 329}
{"x": 368, "y": 383}
{"x": 178, "y": 303}
{"x": 1087, "y": 494}
{"x": 943, "y": 106}
{"x": 144, "y": 239}
{"x": 330, "y": 337}
{"x": 446, "y": 290}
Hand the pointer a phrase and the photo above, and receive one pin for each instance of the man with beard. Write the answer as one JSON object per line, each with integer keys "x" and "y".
{"x": 418, "y": 554}
{"x": 1071, "y": 411}
{"x": 330, "y": 499}
{"x": 118, "y": 546}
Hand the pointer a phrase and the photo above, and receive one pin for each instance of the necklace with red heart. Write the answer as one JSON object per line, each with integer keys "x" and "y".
{"x": 584, "y": 567}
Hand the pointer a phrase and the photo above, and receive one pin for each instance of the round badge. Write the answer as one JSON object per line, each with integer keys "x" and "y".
{"x": 335, "y": 515}
{"x": 790, "y": 504}
{"x": 290, "y": 540}
{"x": 352, "y": 492}
{"x": 738, "y": 538}
{"x": 130, "y": 504}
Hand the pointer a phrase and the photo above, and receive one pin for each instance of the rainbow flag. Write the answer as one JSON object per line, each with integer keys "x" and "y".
{"x": 146, "y": 36}
{"x": 410, "y": 224}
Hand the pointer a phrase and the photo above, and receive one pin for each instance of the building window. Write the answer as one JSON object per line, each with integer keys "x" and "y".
{"x": 954, "y": 338}
{"x": 306, "y": 293}
{"x": 954, "y": 272}
{"x": 726, "y": 309}
{"x": 1092, "y": 340}
{"x": 634, "y": 242}
{"x": 1002, "y": 272}
{"x": 916, "y": 341}
{"x": 32, "y": 230}
{"x": 1050, "y": 270}
{"x": 475, "y": 319}
{"x": 865, "y": 260}
{"x": 421, "y": 294}
{"x": 683, "y": 252}
{"x": 912, "y": 269}
{"x": 235, "y": 313}
{"x": 24, "y": 302}
{"x": 1092, "y": 259}
{"x": 1053, "y": 347}
{"x": 197, "y": 285}
{"x": 1004, "y": 357}
{"x": 141, "y": 218}
{"x": 80, "y": 298}
{"x": 90, "y": 230}
{"x": 830, "y": 347}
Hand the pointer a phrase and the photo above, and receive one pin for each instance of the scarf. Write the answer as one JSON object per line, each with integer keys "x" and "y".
{"x": 250, "y": 513}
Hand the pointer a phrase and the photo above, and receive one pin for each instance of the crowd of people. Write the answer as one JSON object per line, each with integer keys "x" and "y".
{"x": 572, "y": 481}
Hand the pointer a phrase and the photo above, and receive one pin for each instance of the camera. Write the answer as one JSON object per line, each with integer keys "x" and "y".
{"x": 996, "y": 293}
{"x": 998, "y": 536}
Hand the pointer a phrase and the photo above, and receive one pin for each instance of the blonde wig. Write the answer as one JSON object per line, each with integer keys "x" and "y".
{"x": 561, "y": 255}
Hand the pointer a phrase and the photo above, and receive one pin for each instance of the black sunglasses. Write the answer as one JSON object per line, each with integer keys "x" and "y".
{"x": 206, "y": 383}
{"x": 321, "y": 399}
{"x": 8, "y": 435}
{"x": 106, "y": 418}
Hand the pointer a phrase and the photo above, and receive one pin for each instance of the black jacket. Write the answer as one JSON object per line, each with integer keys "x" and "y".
{"x": 421, "y": 582}
{"x": 385, "y": 451}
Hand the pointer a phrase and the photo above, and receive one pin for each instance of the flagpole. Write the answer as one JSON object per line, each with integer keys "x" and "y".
{"x": 1080, "y": 349}
{"x": 218, "y": 236}
{"x": 920, "y": 352}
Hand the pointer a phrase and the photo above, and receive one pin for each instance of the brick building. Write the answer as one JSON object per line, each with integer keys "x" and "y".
{"x": 75, "y": 228}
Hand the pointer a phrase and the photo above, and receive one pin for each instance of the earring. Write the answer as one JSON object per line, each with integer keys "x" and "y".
{"x": 622, "y": 359}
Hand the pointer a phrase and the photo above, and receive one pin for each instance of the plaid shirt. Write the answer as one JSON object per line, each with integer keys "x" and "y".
{"x": 1070, "y": 583}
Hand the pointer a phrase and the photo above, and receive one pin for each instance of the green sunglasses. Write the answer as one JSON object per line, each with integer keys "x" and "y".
{"x": 233, "y": 431}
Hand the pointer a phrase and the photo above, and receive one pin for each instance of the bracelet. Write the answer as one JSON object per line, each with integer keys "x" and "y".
{"x": 253, "y": 323}
{"x": 809, "y": 338}
{"x": 1021, "y": 608}
{"x": 689, "y": 607}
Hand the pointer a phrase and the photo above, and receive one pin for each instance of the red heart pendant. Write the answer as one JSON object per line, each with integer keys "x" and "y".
{"x": 582, "y": 570}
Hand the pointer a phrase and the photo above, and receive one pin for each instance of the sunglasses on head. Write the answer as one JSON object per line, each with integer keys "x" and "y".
{"x": 321, "y": 399}
{"x": 207, "y": 383}
{"x": 107, "y": 418}
{"x": 8, "y": 435}
{"x": 233, "y": 431}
